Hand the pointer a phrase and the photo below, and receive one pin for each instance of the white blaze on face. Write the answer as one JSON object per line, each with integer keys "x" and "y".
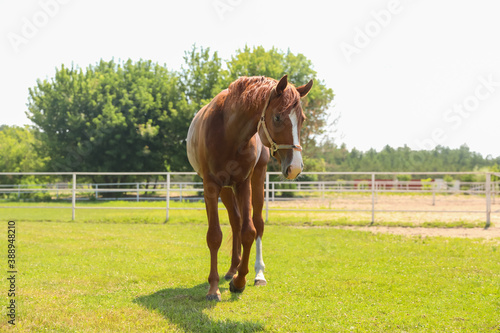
{"x": 296, "y": 164}
{"x": 259, "y": 262}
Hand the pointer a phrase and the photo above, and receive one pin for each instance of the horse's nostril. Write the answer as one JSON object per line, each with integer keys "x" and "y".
{"x": 291, "y": 172}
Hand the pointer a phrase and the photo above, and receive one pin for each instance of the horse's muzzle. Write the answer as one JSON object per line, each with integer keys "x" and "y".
{"x": 293, "y": 171}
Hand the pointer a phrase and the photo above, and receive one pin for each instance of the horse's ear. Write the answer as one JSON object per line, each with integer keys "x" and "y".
{"x": 282, "y": 85}
{"x": 304, "y": 90}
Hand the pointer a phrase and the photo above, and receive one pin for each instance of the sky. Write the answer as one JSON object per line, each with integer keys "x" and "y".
{"x": 419, "y": 73}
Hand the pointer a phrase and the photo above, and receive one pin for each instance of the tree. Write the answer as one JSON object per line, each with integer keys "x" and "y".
{"x": 202, "y": 77}
{"x": 135, "y": 116}
{"x": 112, "y": 117}
{"x": 274, "y": 63}
{"x": 19, "y": 152}
{"x": 440, "y": 159}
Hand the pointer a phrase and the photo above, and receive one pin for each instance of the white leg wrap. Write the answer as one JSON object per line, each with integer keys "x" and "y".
{"x": 259, "y": 262}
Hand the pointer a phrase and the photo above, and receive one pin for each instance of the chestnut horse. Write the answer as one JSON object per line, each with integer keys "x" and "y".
{"x": 228, "y": 146}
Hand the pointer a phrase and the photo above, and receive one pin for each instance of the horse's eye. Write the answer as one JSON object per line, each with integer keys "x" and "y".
{"x": 277, "y": 118}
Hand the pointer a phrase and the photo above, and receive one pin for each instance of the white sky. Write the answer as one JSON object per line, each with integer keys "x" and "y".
{"x": 415, "y": 72}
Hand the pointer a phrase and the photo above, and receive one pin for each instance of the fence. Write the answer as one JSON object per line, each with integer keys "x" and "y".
{"x": 168, "y": 189}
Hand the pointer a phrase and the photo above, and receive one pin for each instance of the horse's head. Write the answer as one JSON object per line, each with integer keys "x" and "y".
{"x": 280, "y": 124}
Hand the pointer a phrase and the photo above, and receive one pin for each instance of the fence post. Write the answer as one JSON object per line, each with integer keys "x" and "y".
{"x": 137, "y": 196}
{"x": 493, "y": 192}
{"x": 488, "y": 199}
{"x": 73, "y": 198}
{"x": 494, "y": 186}
{"x": 433, "y": 184}
{"x": 373, "y": 198}
{"x": 167, "y": 196}
{"x": 267, "y": 197}
{"x": 274, "y": 190}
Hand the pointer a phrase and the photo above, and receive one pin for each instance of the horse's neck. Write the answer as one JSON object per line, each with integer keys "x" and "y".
{"x": 242, "y": 122}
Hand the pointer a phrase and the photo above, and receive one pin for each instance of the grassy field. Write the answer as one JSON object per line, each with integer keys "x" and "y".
{"x": 441, "y": 214}
{"x": 126, "y": 277}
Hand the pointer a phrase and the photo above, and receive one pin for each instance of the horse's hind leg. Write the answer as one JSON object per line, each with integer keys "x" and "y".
{"x": 248, "y": 232}
{"x": 258, "y": 180}
{"x": 229, "y": 200}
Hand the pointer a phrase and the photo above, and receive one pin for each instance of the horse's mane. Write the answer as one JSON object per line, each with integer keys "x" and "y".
{"x": 254, "y": 91}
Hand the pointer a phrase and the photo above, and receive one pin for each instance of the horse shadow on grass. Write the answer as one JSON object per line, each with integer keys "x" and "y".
{"x": 185, "y": 307}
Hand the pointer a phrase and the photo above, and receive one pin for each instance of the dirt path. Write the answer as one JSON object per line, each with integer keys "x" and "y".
{"x": 414, "y": 209}
{"x": 492, "y": 232}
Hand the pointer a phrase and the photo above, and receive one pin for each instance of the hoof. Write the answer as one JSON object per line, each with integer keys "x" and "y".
{"x": 215, "y": 297}
{"x": 233, "y": 289}
{"x": 260, "y": 282}
{"x": 228, "y": 277}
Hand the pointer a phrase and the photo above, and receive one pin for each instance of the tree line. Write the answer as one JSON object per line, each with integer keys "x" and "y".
{"x": 134, "y": 116}
{"x": 404, "y": 159}
{"x": 20, "y": 151}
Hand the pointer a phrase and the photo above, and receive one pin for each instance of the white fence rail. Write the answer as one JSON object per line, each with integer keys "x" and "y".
{"x": 185, "y": 188}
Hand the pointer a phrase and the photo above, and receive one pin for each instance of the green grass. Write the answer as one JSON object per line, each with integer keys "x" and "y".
{"x": 100, "y": 213}
{"x": 103, "y": 277}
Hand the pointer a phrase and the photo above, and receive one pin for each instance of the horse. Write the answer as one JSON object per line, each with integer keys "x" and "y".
{"x": 229, "y": 144}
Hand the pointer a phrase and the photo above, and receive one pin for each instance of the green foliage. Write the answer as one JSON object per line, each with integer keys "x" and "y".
{"x": 37, "y": 197}
{"x": 203, "y": 77}
{"x": 288, "y": 188}
{"x": 426, "y": 183}
{"x": 312, "y": 164}
{"x": 403, "y": 159}
{"x": 448, "y": 178}
{"x": 495, "y": 169}
{"x": 256, "y": 62}
{"x": 134, "y": 116}
{"x": 19, "y": 152}
{"x": 403, "y": 178}
{"x": 112, "y": 117}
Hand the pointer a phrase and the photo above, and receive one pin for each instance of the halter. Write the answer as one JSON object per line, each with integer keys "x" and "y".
{"x": 274, "y": 146}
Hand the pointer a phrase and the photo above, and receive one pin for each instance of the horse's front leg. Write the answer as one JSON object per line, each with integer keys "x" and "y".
{"x": 214, "y": 236}
{"x": 243, "y": 194}
{"x": 258, "y": 180}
